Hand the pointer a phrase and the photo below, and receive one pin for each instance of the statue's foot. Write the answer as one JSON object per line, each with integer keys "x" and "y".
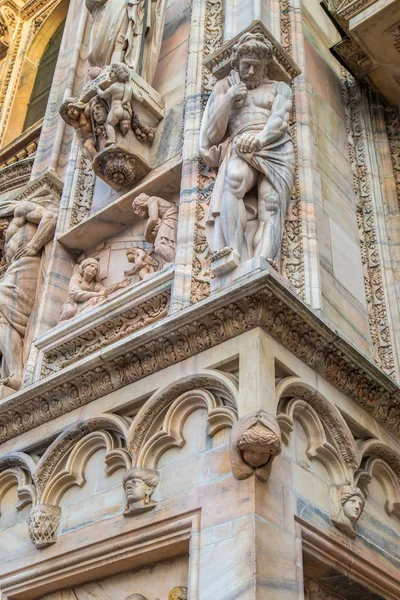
{"x": 273, "y": 264}
{"x": 12, "y": 382}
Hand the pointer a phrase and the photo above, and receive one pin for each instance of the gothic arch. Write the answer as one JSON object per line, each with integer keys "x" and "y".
{"x": 321, "y": 420}
{"x": 42, "y": 32}
{"x": 159, "y": 423}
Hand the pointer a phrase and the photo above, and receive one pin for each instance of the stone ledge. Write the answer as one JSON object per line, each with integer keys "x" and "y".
{"x": 262, "y": 301}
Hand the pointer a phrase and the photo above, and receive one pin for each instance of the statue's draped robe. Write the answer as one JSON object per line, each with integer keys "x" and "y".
{"x": 20, "y": 284}
{"x": 276, "y": 161}
{"x": 116, "y": 36}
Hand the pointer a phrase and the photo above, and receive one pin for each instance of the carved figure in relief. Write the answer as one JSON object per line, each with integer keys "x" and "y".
{"x": 255, "y": 442}
{"x": 86, "y": 289}
{"x": 32, "y": 225}
{"x": 161, "y": 226}
{"x": 99, "y": 113}
{"x": 128, "y": 31}
{"x": 119, "y": 96}
{"x": 347, "y": 505}
{"x": 245, "y": 134}
{"x": 144, "y": 264}
{"x": 139, "y": 484}
{"x": 77, "y": 114}
{"x": 178, "y": 593}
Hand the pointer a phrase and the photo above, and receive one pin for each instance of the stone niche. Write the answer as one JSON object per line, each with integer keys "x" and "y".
{"x": 159, "y": 581}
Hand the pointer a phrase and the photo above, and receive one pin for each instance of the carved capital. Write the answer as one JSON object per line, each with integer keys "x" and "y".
{"x": 255, "y": 442}
{"x": 43, "y": 522}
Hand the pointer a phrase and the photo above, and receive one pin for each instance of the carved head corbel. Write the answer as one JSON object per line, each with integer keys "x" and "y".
{"x": 347, "y": 505}
{"x": 43, "y": 523}
{"x": 139, "y": 484}
{"x": 255, "y": 442}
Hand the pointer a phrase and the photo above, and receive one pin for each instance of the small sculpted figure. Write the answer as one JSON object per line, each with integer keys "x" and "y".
{"x": 139, "y": 484}
{"x": 347, "y": 505}
{"x": 255, "y": 442}
{"x": 77, "y": 114}
{"x": 32, "y": 225}
{"x": 119, "y": 96}
{"x": 178, "y": 593}
{"x": 161, "y": 226}
{"x": 245, "y": 134}
{"x": 144, "y": 264}
{"x": 86, "y": 289}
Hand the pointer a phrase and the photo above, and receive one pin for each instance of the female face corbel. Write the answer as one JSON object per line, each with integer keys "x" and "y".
{"x": 352, "y": 508}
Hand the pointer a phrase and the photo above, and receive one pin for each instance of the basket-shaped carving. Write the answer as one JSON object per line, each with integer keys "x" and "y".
{"x": 43, "y": 522}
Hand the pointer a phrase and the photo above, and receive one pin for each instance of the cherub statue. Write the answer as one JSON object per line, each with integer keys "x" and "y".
{"x": 77, "y": 114}
{"x": 161, "y": 226}
{"x": 144, "y": 264}
{"x": 347, "y": 505}
{"x": 86, "y": 289}
{"x": 119, "y": 96}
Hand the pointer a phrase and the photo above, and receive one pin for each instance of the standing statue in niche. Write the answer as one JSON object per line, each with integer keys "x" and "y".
{"x": 128, "y": 31}
{"x": 347, "y": 505}
{"x": 31, "y": 227}
{"x": 86, "y": 289}
{"x": 245, "y": 133}
{"x": 161, "y": 225}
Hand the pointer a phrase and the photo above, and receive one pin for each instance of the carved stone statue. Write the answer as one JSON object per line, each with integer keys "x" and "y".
{"x": 139, "y": 484}
{"x": 128, "y": 31}
{"x": 144, "y": 264}
{"x": 245, "y": 134}
{"x": 178, "y": 593}
{"x": 161, "y": 225}
{"x": 31, "y": 227}
{"x": 77, "y": 114}
{"x": 347, "y": 505}
{"x": 255, "y": 442}
{"x": 119, "y": 96}
{"x": 86, "y": 289}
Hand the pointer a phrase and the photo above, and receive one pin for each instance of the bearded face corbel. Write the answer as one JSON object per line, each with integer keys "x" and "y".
{"x": 255, "y": 442}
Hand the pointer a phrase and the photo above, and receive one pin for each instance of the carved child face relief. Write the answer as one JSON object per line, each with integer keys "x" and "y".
{"x": 251, "y": 71}
{"x": 73, "y": 112}
{"x": 353, "y": 508}
{"x": 256, "y": 457}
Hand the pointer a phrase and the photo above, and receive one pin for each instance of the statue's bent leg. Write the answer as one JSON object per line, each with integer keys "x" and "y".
{"x": 11, "y": 347}
{"x": 268, "y": 237}
{"x": 240, "y": 178}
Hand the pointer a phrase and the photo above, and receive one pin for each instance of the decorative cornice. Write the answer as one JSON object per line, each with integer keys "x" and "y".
{"x": 265, "y": 302}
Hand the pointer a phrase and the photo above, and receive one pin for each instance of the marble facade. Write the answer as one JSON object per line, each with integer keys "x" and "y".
{"x": 207, "y": 399}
